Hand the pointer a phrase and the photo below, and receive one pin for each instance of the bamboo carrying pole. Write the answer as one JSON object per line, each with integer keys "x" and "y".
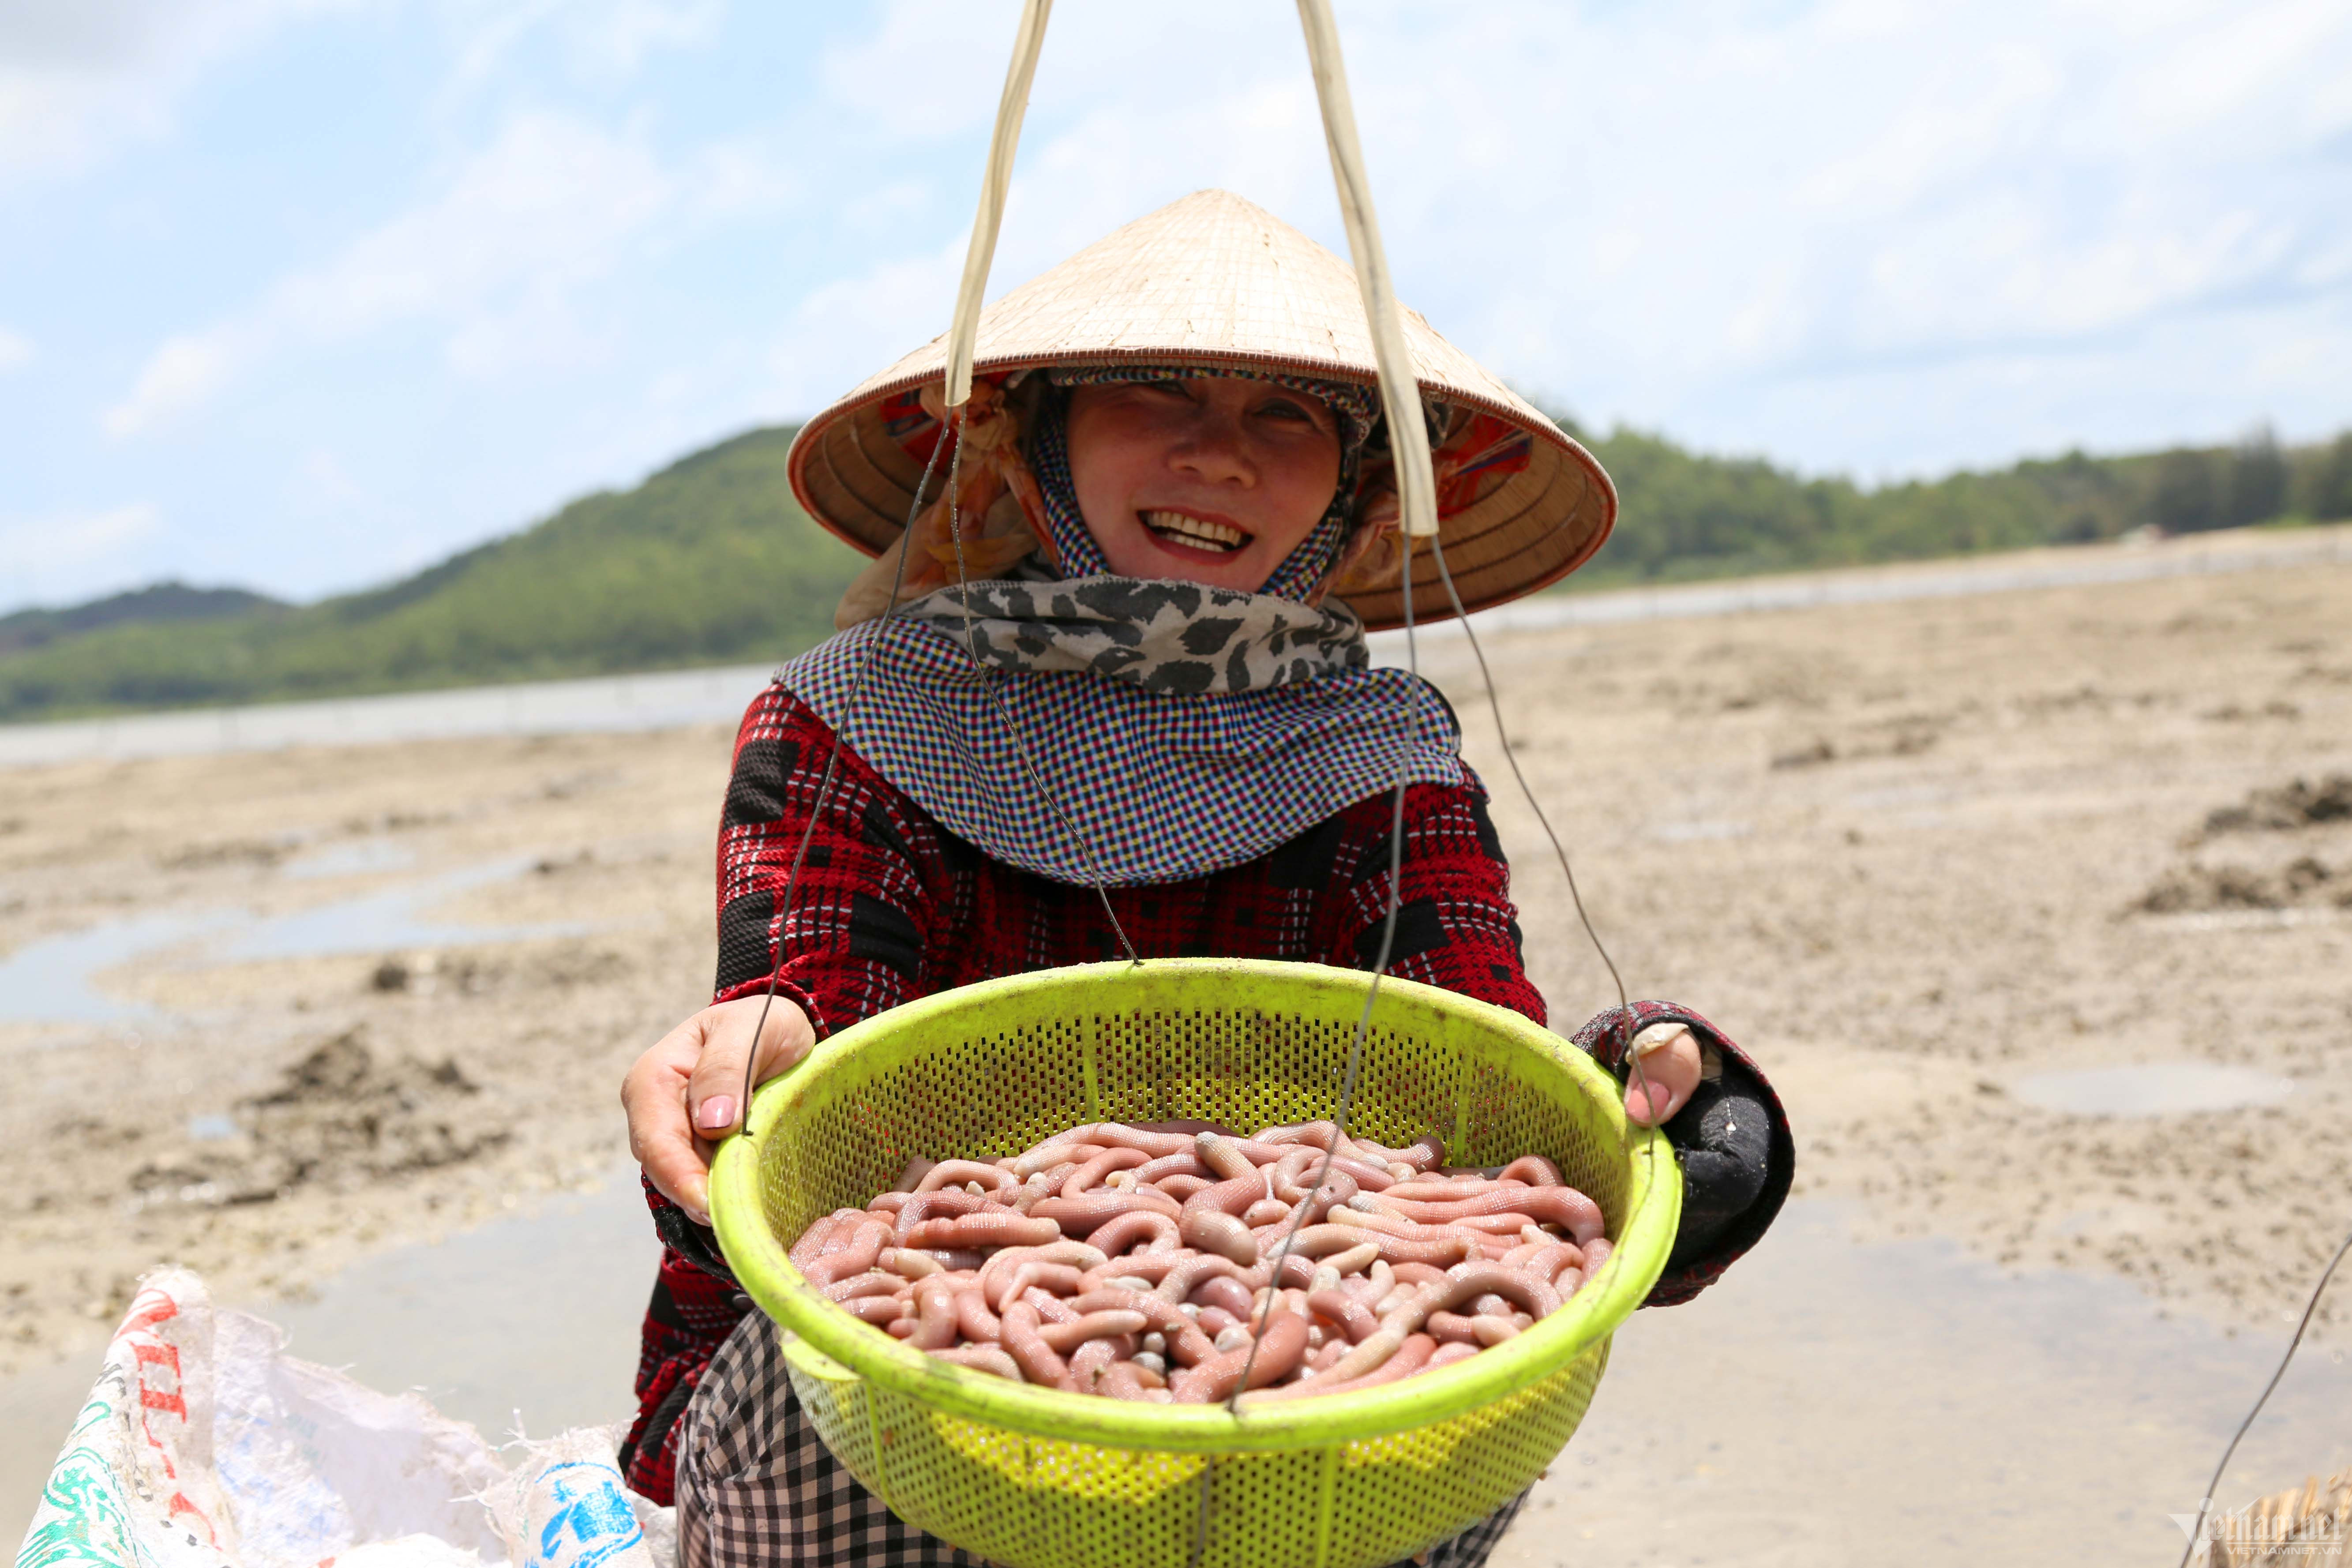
{"x": 963, "y": 337}
{"x": 1400, "y": 392}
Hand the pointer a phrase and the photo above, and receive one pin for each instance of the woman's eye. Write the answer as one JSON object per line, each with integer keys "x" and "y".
{"x": 1284, "y": 409}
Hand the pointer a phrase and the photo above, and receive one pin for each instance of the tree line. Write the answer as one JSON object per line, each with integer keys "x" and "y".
{"x": 1689, "y": 516}
{"x": 711, "y": 561}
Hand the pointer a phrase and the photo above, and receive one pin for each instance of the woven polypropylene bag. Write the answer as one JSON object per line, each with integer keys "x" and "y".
{"x": 1034, "y": 1477}
{"x": 204, "y": 1445}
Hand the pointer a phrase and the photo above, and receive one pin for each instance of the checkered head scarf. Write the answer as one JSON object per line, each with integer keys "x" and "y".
{"x": 1129, "y": 731}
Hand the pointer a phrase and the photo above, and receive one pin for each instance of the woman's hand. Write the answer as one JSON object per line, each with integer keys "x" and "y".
{"x": 684, "y": 1094}
{"x": 1665, "y": 1069}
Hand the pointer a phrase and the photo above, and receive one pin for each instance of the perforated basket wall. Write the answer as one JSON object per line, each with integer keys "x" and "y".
{"x": 1034, "y": 1477}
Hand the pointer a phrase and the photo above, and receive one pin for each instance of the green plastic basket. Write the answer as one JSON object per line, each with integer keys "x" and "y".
{"x": 1034, "y": 1477}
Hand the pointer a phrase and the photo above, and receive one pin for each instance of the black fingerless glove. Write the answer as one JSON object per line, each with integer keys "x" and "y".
{"x": 1733, "y": 1140}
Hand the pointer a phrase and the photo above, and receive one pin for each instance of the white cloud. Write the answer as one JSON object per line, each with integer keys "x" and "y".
{"x": 1682, "y": 213}
{"x": 604, "y": 40}
{"x": 183, "y": 373}
{"x": 931, "y": 67}
{"x": 847, "y": 329}
{"x": 79, "y": 78}
{"x": 497, "y": 262}
{"x": 16, "y": 350}
{"x": 60, "y": 554}
{"x": 321, "y": 485}
{"x": 738, "y": 176}
{"x": 1089, "y": 161}
{"x": 544, "y": 205}
{"x": 613, "y": 39}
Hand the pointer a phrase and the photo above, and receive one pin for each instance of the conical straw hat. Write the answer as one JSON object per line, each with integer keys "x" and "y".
{"x": 1215, "y": 279}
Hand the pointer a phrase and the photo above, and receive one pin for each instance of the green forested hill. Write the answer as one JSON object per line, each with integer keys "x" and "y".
{"x": 157, "y": 601}
{"x": 708, "y": 562}
{"x": 711, "y": 561}
{"x": 1685, "y": 516}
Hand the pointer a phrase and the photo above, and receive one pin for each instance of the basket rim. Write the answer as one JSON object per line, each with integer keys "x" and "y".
{"x": 766, "y": 1272}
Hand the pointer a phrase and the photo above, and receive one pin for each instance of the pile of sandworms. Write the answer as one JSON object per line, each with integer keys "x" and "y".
{"x": 1137, "y": 1260}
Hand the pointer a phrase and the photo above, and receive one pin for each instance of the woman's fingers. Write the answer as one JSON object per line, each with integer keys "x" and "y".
{"x": 715, "y": 1091}
{"x": 1664, "y": 1071}
{"x": 685, "y": 1092}
{"x": 661, "y": 1140}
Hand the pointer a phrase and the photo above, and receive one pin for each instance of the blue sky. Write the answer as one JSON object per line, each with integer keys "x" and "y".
{"x": 303, "y": 294}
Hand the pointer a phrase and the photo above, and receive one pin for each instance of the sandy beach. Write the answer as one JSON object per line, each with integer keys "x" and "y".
{"x": 1961, "y": 873}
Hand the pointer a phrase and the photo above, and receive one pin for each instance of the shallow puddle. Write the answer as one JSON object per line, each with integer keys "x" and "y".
{"x": 2152, "y": 1089}
{"x": 54, "y": 980}
{"x": 358, "y": 858}
{"x": 48, "y": 980}
{"x": 389, "y": 920}
{"x": 530, "y": 1319}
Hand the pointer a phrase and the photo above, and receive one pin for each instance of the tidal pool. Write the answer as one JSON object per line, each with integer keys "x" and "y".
{"x": 48, "y": 981}
{"x": 53, "y": 979}
{"x": 390, "y": 919}
{"x": 2152, "y": 1089}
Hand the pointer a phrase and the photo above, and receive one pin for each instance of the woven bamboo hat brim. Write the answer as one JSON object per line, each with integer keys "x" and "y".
{"x": 1215, "y": 279}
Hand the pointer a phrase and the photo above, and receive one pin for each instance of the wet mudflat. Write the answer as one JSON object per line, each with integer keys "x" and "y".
{"x": 1835, "y": 1401}
{"x": 2037, "y": 907}
{"x": 331, "y": 1002}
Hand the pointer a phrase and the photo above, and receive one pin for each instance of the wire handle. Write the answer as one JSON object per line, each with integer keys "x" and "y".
{"x": 963, "y": 337}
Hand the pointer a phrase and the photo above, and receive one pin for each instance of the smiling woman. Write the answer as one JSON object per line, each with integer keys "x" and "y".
{"x": 1109, "y": 693}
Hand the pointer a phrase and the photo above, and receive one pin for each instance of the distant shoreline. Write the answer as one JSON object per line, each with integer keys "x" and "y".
{"x": 2050, "y": 567}
{"x": 717, "y": 695}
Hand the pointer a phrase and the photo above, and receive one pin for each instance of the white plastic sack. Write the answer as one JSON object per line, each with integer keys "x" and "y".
{"x": 204, "y": 1445}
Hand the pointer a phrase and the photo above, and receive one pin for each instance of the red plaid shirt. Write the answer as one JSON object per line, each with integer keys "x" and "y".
{"x": 892, "y": 907}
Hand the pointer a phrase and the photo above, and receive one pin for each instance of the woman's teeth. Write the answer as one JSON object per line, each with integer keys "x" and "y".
{"x": 1198, "y": 533}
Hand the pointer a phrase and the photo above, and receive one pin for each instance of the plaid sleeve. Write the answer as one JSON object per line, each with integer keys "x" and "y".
{"x": 856, "y": 937}
{"x": 872, "y": 887}
{"x": 1456, "y": 927}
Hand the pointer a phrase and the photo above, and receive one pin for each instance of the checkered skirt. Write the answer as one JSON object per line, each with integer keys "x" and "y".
{"x": 757, "y": 1487}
